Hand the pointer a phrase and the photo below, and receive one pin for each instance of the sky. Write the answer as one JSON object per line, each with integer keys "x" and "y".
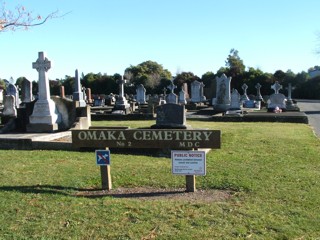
{"x": 108, "y": 36}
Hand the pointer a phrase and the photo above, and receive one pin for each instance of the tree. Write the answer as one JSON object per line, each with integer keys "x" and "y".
{"x": 279, "y": 76}
{"x": 2, "y": 84}
{"x": 21, "y": 18}
{"x": 148, "y": 73}
{"x": 235, "y": 68}
{"x": 185, "y": 77}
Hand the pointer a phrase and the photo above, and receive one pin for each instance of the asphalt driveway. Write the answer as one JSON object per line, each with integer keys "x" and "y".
{"x": 312, "y": 110}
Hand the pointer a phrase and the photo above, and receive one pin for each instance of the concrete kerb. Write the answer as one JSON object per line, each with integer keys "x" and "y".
{"x": 31, "y": 141}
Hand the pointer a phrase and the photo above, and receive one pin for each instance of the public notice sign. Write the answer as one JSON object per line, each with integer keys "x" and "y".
{"x": 188, "y": 162}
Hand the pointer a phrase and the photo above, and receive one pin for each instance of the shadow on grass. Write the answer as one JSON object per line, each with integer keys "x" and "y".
{"x": 92, "y": 193}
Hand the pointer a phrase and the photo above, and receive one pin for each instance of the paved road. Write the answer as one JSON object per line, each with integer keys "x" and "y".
{"x": 312, "y": 109}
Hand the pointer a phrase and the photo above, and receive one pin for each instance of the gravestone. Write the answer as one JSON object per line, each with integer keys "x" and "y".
{"x": 78, "y": 94}
{"x": 235, "y": 100}
{"x": 277, "y": 100}
{"x": 89, "y": 96}
{"x": 44, "y": 117}
{"x": 98, "y": 101}
{"x": 26, "y": 91}
{"x": 121, "y": 106}
{"x": 170, "y": 116}
{"x": 171, "y": 97}
{"x": 141, "y": 94}
{"x": 258, "y": 87}
{"x": 182, "y": 97}
{"x": 197, "y": 92}
{"x": 223, "y": 99}
{"x": 244, "y": 97}
{"x": 1, "y": 96}
{"x": 9, "y": 108}
{"x": 276, "y": 87}
{"x": 13, "y": 91}
{"x": 62, "y": 92}
{"x": 289, "y": 88}
{"x": 290, "y": 105}
{"x": 110, "y": 100}
{"x": 185, "y": 89}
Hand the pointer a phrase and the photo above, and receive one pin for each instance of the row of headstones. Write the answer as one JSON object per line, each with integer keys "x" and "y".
{"x": 12, "y": 101}
{"x": 225, "y": 99}
{"x": 197, "y": 95}
{"x": 141, "y": 97}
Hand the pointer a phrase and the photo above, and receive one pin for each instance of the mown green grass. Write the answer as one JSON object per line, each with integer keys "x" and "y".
{"x": 273, "y": 170}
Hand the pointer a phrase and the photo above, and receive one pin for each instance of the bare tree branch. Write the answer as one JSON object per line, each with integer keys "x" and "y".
{"x": 20, "y": 18}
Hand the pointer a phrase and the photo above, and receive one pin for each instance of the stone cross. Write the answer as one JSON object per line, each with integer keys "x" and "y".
{"x": 45, "y": 116}
{"x": 42, "y": 65}
{"x": 244, "y": 88}
{"x": 258, "y": 87}
{"x": 201, "y": 91}
{"x": 121, "y": 83}
{"x": 244, "y": 96}
{"x": 171, "y": 87}
{"x": 276, "y": 87}
{"x": 289, "y": 88}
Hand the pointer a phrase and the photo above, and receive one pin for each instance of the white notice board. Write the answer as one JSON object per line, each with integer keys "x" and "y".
{"x": 188, "y": 162}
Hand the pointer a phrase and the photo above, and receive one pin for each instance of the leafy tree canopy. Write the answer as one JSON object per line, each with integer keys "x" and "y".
{"x": 148, "y": 73}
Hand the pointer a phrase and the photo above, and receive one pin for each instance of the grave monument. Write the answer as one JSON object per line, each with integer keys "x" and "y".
{"x": 223, "y": 99}
{"x": 44, "y": 117}
{"x": 121, "y": 106}
{"x": 26, "y": 91}
{"x": 141, "y": 94}
{"x": 197, "y": 92}
{"x": 277, "y": 100}
{"x": 78, "y": 94}
{"x": 172, "y": 97}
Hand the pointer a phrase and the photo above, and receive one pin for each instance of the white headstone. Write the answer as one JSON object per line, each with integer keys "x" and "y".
{"x": 171, "y": 97}
{"x": 9, "y": 108}
{"x": 26, "y": 91}
{"x": 223, "y": 99}
{"x": 13, "y": 91}
{"x": 78, "y": 94}
{"x": 197, "y": 92}
{"x": 182, "y": 97}
{"x": 1, "y": 96}
{"x": 235, "y": 100}
{"x": 277, "y": 100}
{"x": 141, "y": 94}
{"x": 44, "y": 117}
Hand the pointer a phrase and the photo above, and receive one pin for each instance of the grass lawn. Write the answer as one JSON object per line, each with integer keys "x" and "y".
{"x": 272, "y": 170}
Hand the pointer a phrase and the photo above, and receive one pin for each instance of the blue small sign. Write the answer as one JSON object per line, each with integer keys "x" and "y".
{"x": 103, "y": 157}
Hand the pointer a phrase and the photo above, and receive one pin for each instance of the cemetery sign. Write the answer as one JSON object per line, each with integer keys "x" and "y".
{"x": 146, "y": 138}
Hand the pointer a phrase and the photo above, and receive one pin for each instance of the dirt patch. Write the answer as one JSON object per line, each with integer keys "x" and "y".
{"x": 204, "y": 196}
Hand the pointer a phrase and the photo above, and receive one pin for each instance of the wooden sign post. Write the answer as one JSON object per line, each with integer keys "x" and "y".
{"x": 191, "y": 183}
{"x": 103, "y": 160}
